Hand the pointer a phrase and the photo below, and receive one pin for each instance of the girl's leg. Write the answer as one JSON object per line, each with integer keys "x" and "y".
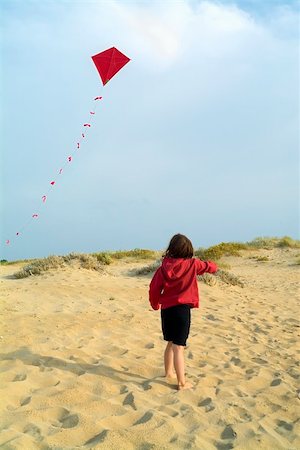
{"x": 179, "y": 367}
{"x": 169, "y": 360}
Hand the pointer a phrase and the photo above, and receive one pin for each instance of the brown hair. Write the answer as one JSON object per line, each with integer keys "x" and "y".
{"x": 179, "y": 247}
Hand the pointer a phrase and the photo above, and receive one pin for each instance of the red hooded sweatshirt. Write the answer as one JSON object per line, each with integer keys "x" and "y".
{"x": 175, "y": 282}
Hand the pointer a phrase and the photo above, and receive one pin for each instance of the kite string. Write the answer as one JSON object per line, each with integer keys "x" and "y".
{"x": 68, "y": 160}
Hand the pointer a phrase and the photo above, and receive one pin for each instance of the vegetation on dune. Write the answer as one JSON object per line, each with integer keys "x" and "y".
{"x": 207, "y": 278}
{"x": 273, "y": 242}
{"x": 216, "y": 252}
{"x": 96, "y": 261}
{"x": 229, "y": 278}
{"x": 223, "y": 276}
{"x": 261, "y": 258}
{"x": 145, "y": 270}
{"x": 39, "y": 266}
{"x": 138, "y": 253}
{"x": 103, "y": 258}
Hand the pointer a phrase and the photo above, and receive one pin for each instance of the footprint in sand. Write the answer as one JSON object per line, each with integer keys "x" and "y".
{"x": 235, "y": 361}
{"x": 293, "y": 372}
{"x": 25, "y": 401}
{"x": 207, "y": 404}
{"x": 145, "y": 418}
{"x": 150, "y": 345}
{"x": 243, "y": 414}
{"x": 228, "y": 433}
{"x": 34, "y": 431}
{"x": 129, "y": 400}
{"x": 66, "y": 420}
{"x": 251, "y": 373}
{"x": 146, "y": 385}
{"x": 284, "y": 426}
{"x": 260, "y": 361}
{"x": 123, "y": 389}
{"x": 211, "y": 317}
{"x": 70, "y": 421}
{"x": 276, "y": 382}
{"x": 174, "y": 439}
{"x": 20, "y": 377}
{"x": 97, "y": 439}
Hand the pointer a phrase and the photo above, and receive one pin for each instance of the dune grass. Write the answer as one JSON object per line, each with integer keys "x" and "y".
{"x": 39, "y": 266}
{"x": 216, "y": 252}
{"x": 138, "y": 254}
{"x": 94, "y": 261}
{"x": 207, "y": 278}
{"x": 97, "y": 260}
{"x": 273, "y": 242}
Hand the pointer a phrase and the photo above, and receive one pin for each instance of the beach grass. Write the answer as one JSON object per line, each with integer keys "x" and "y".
{"x": 97, "y": 261}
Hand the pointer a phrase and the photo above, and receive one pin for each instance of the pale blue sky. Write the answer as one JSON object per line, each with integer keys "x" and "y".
{"x": 198, "y": 134}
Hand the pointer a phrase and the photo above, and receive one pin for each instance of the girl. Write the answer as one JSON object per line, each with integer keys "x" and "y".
{"x": 174, "y": 288}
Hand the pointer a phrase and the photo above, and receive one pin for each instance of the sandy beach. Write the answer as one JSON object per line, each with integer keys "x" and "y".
{"x": 82, "y": 360}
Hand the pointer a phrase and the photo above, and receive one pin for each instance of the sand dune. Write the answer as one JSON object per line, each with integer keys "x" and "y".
{"x": 81, "y": 361}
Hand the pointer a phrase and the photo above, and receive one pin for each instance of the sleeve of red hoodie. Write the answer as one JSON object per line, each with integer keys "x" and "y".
{"x": 155, "y": 289}
{"x": 205, "y": 266}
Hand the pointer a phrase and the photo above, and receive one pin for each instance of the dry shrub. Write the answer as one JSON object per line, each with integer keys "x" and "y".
{"x": 103, "y": 258}
{"x": 262, "y": 258}
{"x": 55, "y": 262}
{"x": 137, "y": 253}
{"x": 216, "y": 252}
{"x": 207, "y": 278}
{"x": 287, "y": 241}
{"x": 269, "y": 243}
{"x": 151, "y": 268}
{"x": 221, "y": 275}
{"x": 89, "y": 262}
{"x": 229, "y": 278}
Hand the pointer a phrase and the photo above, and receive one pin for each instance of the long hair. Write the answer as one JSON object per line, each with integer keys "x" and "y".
{"x": 179, "y": 247}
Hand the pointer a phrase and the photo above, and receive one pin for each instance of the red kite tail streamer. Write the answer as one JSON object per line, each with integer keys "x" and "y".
{"x": 107, "y": 63}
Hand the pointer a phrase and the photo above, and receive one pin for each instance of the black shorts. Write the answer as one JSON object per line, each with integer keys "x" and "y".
{"x": 175, "y": 323}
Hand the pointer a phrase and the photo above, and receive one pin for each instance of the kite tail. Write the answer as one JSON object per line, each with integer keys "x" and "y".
{"x": 43, "y": 198}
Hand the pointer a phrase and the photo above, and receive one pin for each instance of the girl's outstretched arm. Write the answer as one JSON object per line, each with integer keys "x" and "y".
{"x": 205, "y": 266}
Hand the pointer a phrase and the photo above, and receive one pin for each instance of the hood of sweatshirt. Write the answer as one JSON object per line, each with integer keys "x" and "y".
{"x": 175, "y": 268}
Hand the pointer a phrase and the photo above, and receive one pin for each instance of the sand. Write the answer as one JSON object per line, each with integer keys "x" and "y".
{"x": 81, "y": 361}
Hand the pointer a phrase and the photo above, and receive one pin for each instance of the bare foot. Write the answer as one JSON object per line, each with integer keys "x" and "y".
{"x": 186, "y": 385}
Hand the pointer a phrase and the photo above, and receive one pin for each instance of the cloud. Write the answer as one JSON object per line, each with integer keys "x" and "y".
{"x": 162, "y": 32}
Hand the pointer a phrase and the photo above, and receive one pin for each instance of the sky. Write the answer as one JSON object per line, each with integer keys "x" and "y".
{"x": 198, "y": 134}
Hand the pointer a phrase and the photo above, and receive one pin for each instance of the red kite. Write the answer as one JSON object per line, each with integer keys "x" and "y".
{"x": 109, "y": 62}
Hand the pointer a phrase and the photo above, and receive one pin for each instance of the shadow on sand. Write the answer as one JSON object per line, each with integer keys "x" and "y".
{"x": 25, "y": 355}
